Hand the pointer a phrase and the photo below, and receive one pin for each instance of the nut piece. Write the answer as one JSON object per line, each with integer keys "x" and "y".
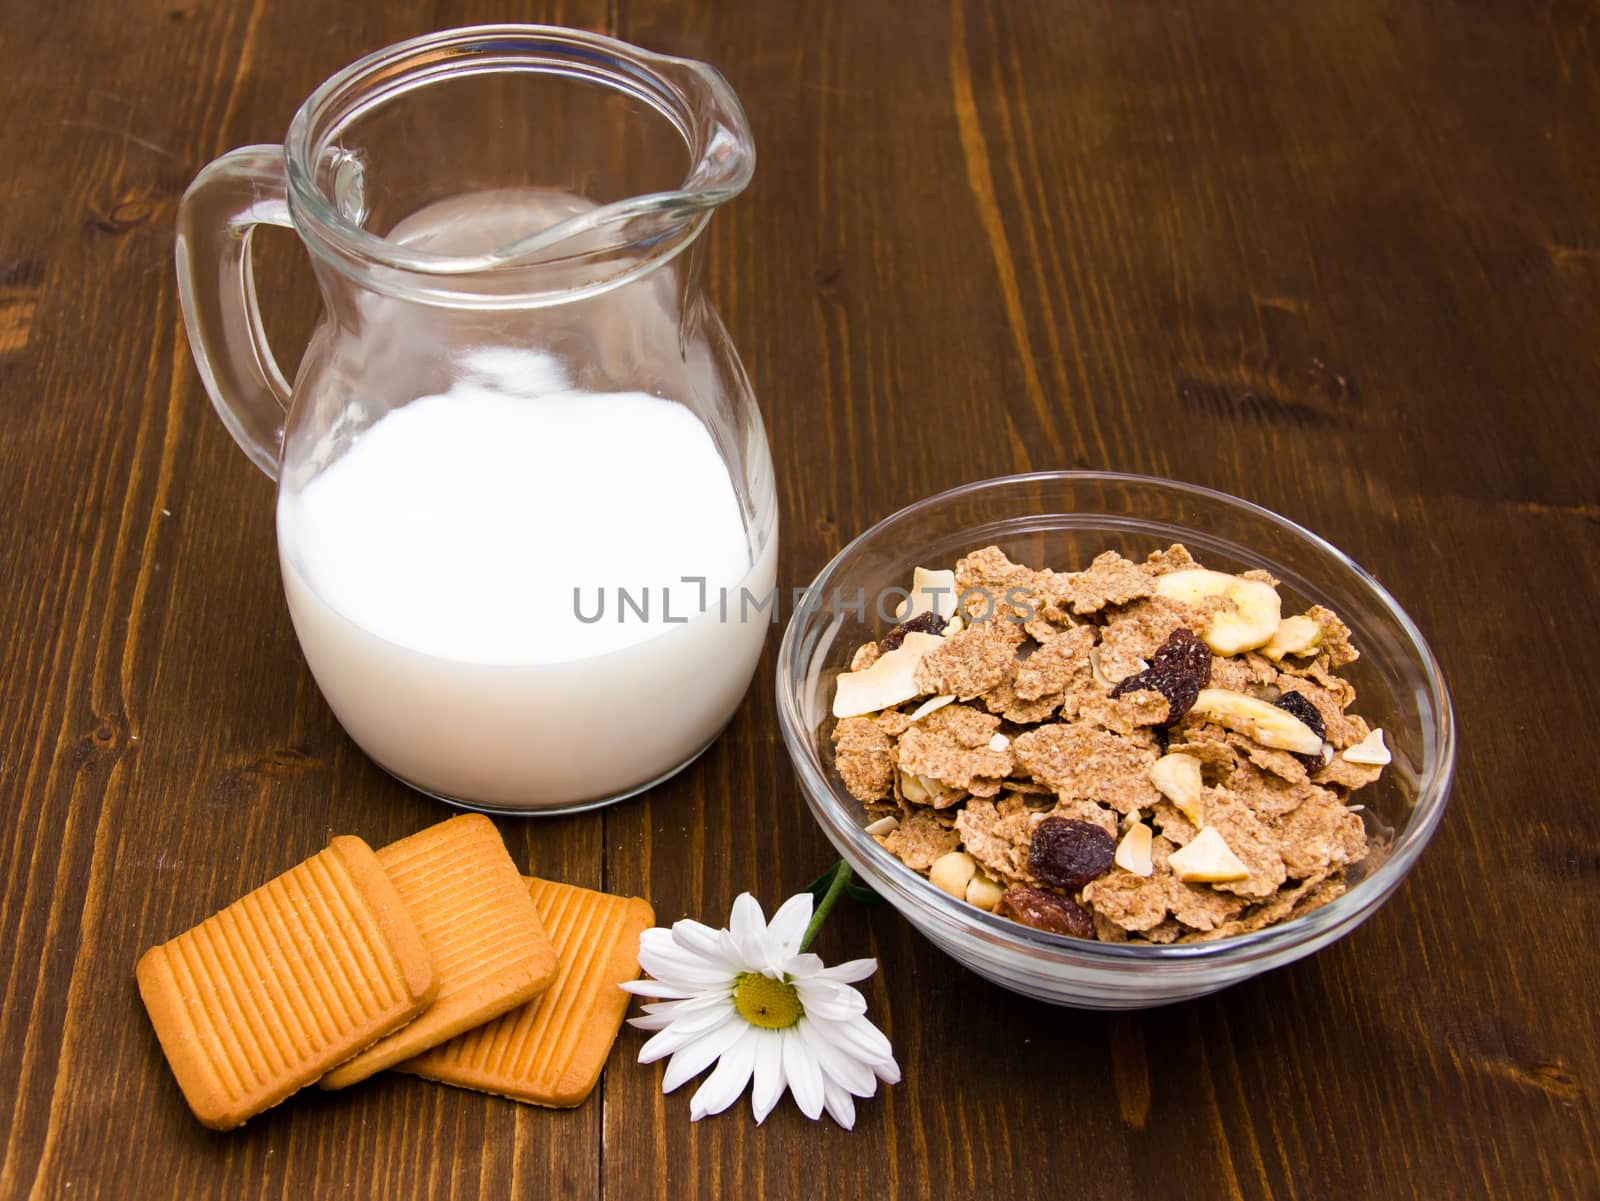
{"x": 984, "y": 893}
{"x": 1177, "y": 777}
{"x": 1133, "y": 852}
{"x": 914, "y": 788}
{"x": 929, "y": 705}
{"x": 891, "y": 680}
{"x": 884, "y": 825}
{"x": 1207, "y": 859}
{"x": 953, "y": 872}
{"x": 920, "y": 790}
{"x": 1295, "y": 636}
{"x": 999, "y": 743}
{"x": 1370, "y": 751}
{"x": 1251, "y": 623}
{"x": 1267, "y": 724}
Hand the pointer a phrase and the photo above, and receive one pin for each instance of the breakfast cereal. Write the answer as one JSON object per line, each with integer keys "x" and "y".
{"x": 1138, "y": 751}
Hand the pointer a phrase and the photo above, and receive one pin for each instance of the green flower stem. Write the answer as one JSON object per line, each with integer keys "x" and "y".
{"x": 836, "y": 887}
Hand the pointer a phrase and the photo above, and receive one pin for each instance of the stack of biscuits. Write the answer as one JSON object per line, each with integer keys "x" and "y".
{"x": 432, "y": 956}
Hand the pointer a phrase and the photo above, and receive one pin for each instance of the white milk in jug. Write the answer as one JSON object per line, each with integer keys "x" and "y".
{"x": 526, "y": 595}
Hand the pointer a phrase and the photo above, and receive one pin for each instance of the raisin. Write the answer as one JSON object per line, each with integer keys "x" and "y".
{"x": 1045, "y": 911}
{"x": 1296, "y": 705}
{"x": 1068, "y": 853}
{"x": 1178, "y": 670}
{"x": 923, "y": 623}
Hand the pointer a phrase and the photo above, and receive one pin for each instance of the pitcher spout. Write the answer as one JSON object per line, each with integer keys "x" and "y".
{"x": 706, "y": 114}
{"x": 677, "y": 146}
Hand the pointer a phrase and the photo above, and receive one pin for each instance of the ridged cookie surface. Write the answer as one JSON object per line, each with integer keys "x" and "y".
{"x": 551, "y": 1050}
{"x": 479, "y": 923}
{"x": 259, "y": 1000}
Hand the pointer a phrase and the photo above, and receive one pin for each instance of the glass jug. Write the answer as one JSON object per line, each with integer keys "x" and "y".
{"x": 526, "y": 515}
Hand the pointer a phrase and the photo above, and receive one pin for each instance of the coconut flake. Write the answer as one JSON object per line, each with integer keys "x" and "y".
{"x": 890, "y": 681}
{"x": 1207, "y": 859}
{"x": 1133, "y": 852}
{"x": 931, "y": 592}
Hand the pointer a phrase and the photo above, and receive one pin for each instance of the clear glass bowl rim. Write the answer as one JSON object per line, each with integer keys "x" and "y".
{"x": 833, "y": 810}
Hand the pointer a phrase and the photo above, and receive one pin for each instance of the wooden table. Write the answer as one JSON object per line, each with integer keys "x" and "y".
{"x": 1343, "y": 260}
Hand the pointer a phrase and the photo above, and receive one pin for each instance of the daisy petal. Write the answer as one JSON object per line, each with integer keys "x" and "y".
{"x": 662, "y": 1043}
{"x": 654, "y": 988}
{"x": 748, "y": 926}
{"x": 698, "y": 1021}
{"x": 769, "y": 1081}
{"x": 689, "y": 981}
{"x": 688, "y": 1005}
{"x": 837, "y": 1064}
{"x": 732, "y": 1073}
{"x": 864, "y": 1039}
{"x": 800, "y": 967}
{"x": 888, "y": 1072}
{"x": 666, "y": 1013}
{"x": 829, "y": 1009}
{"x": 669, "y": 946}
{"x": 803, "y": 1073}
{"x": 837, "y": 1004}
{"x": 682, "y": 968}
{"x": 849, "y": 973}
{"x": 689, "y": 986}
{"x": 665, "y": 1008}
{"x": 671, "y": 1040}
{"x": 730, "y": 950}
{"x": 841, "y": 1107}
{"x": 706, "y": 943}
{"x": 824, "y": 987}
{"x": 686, "y": 930}
{"x": 747, "y": 918}
{"x": 788, "y": 925}
{"x": 699, "y": 1054}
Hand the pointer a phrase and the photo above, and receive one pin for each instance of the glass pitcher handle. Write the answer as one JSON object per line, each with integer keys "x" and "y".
{"x": 217, "y": 292}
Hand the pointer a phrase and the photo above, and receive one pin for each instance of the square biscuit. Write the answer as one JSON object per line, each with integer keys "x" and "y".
{"x": 481, "y": 927}
{"x": 262, "y": 998}
{"x": 551, "y": 1050}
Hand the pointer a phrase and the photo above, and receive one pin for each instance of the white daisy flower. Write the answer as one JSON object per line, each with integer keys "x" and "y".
{"x": 748, "y": 1000}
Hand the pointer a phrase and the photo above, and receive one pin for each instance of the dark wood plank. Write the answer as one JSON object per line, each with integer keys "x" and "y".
{"x": 1342, "y": 260}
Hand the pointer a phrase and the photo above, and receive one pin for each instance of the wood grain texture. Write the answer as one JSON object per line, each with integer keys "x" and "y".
{"x": 1343, "y": 260}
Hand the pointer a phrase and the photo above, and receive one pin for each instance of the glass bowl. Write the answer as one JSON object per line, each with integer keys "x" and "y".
{"x": 1063, "y": 519}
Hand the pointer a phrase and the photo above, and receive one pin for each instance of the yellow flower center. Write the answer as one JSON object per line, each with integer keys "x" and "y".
{"x": 765, "y": 1002}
